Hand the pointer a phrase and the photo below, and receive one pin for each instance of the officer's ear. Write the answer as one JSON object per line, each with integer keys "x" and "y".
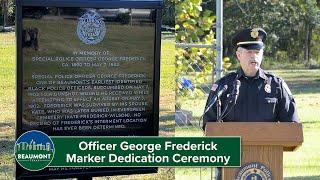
{"x": 238, "y": 52}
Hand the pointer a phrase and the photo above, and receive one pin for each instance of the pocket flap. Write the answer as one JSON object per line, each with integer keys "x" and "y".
{"x": 271, "y": 100}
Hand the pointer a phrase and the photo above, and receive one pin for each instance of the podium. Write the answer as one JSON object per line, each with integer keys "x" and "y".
{"x": 262, "y": 146}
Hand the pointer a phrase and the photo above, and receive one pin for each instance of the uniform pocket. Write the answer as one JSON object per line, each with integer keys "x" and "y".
{"x": 268, "y": 108}
{"x": 271, "y": 100}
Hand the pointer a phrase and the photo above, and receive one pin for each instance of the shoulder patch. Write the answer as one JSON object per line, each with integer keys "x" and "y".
{"x": 228, "y": 78}
{"x": 232, "y": 74}
{"x": 271, "y": 74}
{"x": 214, "y": 87}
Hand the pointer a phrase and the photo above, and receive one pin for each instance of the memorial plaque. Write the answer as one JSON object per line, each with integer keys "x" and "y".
{"x": 88, "y": 68}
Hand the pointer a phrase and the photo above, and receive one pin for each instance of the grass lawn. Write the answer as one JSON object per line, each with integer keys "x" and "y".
{"x": 7, "y": 104}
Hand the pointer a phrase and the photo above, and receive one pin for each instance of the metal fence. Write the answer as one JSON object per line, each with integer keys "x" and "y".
{"x": 188, "y": 118}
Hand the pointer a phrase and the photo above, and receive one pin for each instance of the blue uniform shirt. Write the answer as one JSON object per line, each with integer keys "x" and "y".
{"x": 263, "y": 98}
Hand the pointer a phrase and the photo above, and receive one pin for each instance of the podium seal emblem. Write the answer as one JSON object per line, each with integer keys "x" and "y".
{"x": 254, "y": 170}
{"x": 91, "y": 28}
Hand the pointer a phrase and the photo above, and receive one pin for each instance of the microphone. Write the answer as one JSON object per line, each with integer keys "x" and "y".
{"x": 215, "y": 97}
{"x": 233, "y": 99}
{"x": 235, "y": 92}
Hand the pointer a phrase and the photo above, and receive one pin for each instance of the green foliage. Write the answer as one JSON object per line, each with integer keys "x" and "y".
{"x": 8, "y": 7}
{"x": 193, "y": 25}
{"x": 123, "y": 18}
{"x": 292, "y": 26}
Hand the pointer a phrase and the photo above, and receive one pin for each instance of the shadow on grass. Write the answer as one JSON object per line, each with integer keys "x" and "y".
{"x": 167, "y": 122}
{"x": 305, "y": 82}
{"x": 303, "y": 177}
{"x": 7, "y": 172}
{"x": 7, "y": 157}
{"x": 310, "y": 122}
{"x": 166, "y": 115}
{"x": 6, "y": 146}
{"x": 306, "y": 87}
{"x": 7, "y": 125}
{"x": 7, "y": 137}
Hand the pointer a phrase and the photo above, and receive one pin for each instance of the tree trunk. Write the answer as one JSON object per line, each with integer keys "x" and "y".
{"x": 5, "y": 12}
{"x": 306, "y": 41}
{"x": 309, "y": 43}
{"x": 5, "y": 15}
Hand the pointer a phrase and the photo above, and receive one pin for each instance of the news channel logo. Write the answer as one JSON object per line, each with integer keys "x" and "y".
{"x": 34, "y": 150}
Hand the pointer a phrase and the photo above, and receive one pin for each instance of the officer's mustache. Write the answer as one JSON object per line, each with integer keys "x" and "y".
{"x": 253, "y": 61}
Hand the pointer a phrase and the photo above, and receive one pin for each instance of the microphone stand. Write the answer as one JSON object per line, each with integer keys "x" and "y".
{"x": 219, "y": 110}
{"x": 225, "y": 113}
{"x": 230, "y": 101}
{"x": 218, "y": 103}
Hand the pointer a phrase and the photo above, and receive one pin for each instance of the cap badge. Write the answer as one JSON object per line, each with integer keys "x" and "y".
{"x": 254, "y": 33}
{"x": 267, "y": 88}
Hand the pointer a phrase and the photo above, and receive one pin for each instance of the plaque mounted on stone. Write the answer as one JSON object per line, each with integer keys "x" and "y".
{"x": 88, "y": 68}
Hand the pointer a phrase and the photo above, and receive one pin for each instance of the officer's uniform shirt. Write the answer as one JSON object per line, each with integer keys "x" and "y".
{"x": 263, "y": 98}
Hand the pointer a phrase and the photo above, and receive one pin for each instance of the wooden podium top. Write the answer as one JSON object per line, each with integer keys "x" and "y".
{"x": 286, "y": 134}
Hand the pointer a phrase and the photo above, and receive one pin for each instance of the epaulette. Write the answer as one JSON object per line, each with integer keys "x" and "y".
{"x": 273, "y": 75}
{"x": 270, "y": 74}
{"x": 228, "y": 77}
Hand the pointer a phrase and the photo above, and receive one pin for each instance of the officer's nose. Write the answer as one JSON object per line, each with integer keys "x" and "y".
{"x": 255, "y": 55}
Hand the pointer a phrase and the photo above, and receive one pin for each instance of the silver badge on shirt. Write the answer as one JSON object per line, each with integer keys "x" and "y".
{"x": 267, "y": 88}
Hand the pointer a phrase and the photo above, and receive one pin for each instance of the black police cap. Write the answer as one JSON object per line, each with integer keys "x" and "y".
{"x": 251, "y": 38}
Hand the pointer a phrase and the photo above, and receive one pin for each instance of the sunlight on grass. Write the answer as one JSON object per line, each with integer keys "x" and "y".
{"x": 306, "y": 160}
{"x": 7, "y": 77}
{"x": 188, "y": 131}
{"x": 194, "y": 173}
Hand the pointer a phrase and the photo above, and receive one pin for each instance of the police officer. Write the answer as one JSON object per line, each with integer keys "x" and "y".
{"x": 261, "y": 96}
